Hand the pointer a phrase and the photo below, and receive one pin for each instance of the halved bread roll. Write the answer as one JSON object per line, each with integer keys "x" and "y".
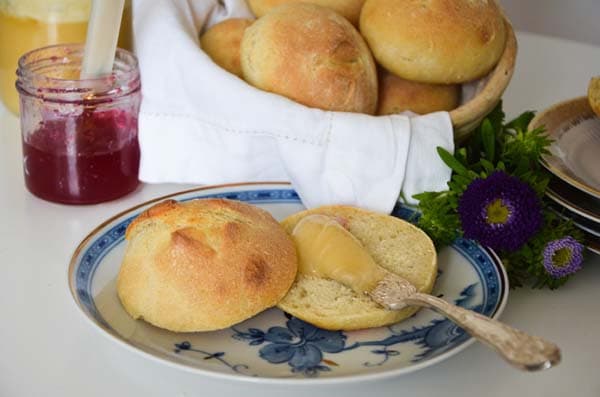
{"x": 394, "y": 244}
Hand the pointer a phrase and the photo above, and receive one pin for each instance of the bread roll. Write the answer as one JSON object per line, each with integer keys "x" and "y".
{"x": 350, "y": 9}
{"x": 312, "y": 55}
{"x": 222, "y": 43}
{"x": 394, "y": 244}
{"x": 397, "y": 95}
{"x": 594, "y": 94}
{"x": 204, "y": 264}
{"x": 435, "y": 41}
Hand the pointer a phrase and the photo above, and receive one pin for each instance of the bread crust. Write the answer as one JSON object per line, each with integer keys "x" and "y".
{"x": 394, "y": 244}
{"x": 204, "y": 264}
{"x": 397, "y": 95}
{"x": 313, "y": 56}
{"x": 435, "y": 41}
{"x": 349, "y": 9}
{"x": 222, "y": 41}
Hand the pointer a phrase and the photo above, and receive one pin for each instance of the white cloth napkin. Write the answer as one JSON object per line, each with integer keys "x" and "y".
{"x": 201, "y": 124}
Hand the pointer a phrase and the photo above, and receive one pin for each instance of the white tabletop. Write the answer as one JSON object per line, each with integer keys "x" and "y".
{"x": 48, "y": 349}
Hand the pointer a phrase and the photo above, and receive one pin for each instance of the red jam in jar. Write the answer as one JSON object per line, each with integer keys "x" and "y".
{"x": 80, "y": 141}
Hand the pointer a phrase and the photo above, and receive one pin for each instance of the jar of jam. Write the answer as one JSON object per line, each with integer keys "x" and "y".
{"x": 29, "y": 24}
{"x": 79, "y": 137}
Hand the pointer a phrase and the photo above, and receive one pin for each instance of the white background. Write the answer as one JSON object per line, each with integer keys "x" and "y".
{"x": 571, "y": 19}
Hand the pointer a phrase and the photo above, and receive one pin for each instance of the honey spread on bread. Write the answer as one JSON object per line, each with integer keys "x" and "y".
{"x": 326, "y": 249}
{"x": 395, "y": 245}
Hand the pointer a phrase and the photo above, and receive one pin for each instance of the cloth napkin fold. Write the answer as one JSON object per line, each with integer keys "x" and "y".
{"x": 201, "y": 124}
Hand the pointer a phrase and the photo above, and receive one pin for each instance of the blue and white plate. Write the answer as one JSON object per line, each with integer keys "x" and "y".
{"x": 274, "y": 347}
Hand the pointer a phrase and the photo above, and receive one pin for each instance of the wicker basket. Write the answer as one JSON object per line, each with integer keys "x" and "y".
{"x": 467, "y": 117}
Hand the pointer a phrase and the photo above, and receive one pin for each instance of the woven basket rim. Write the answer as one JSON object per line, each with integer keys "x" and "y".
{"x": 472, "y": 112}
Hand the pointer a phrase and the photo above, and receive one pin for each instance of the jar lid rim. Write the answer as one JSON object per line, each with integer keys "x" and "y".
{"x": 32, "y": 80}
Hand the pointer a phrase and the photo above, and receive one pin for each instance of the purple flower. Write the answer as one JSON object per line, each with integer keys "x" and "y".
{"x": 563, "y": 257}
{"x": 500, "y": 211}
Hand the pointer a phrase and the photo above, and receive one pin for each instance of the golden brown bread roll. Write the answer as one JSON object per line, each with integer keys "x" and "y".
{"x": 312, "y": 55}
{"x": 397, "y": 95}
{"x": 222, "y": 43}
{"x": 350, "y": 9}
{"x": 204, "y": 264}
{"x": 435, "y": 41}
{"x": 594, "y": 94}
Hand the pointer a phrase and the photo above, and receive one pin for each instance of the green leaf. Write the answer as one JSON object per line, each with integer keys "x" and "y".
{"x": 463, "y": 180}
{"x": 488, "y": 166}
{"x": 521, "y": 123}
{"x": 461, "y": 155}
{"x": 496, "y": 118}
{"x": 451, "y": 161}
{"x": 488, "y": 138}
{"x": 523, "y": 167}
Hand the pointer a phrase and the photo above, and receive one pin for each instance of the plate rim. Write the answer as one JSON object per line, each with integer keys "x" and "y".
{"x": 555, "y": 196}
{"x": 578, "y": 221}
{"x": 565, "y": 177}
{"x": 346, "y": 378}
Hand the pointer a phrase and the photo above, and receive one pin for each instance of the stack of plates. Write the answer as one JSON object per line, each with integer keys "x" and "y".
{"x": 574, "y": 162}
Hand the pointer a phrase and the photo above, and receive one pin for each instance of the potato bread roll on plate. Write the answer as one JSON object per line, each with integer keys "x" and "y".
{"x": 204, "y": 264}
{"x": 394, "y": 244}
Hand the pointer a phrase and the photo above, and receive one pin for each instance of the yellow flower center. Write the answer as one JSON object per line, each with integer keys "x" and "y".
{"x": 561, "y": 257}
{"x": 497, "y": 212}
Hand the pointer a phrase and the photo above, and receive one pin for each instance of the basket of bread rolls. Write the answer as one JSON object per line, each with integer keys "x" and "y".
{"x": 376, "y": 57}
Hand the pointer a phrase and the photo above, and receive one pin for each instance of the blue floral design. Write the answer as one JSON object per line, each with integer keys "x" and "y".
{"x": 301, "y": 345}
{"x": 187, "y": 346}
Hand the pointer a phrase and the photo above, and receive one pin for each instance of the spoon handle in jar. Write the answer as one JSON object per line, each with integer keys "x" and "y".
{"x": 102, "y": 37}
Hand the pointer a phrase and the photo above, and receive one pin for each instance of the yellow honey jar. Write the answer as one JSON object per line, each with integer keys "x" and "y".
{"x": 29, "y": 24}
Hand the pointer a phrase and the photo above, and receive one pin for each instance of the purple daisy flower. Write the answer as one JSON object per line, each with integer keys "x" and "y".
{"x": 563, "y": 257}
{"x": 500, "y": 211}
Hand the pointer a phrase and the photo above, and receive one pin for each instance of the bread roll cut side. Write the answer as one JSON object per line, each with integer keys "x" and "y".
{"x": 394, "y": 244}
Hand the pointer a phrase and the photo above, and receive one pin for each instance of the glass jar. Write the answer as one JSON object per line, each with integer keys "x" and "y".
{"x": 79, "y": 137}
{"x": 31, "y": 24}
